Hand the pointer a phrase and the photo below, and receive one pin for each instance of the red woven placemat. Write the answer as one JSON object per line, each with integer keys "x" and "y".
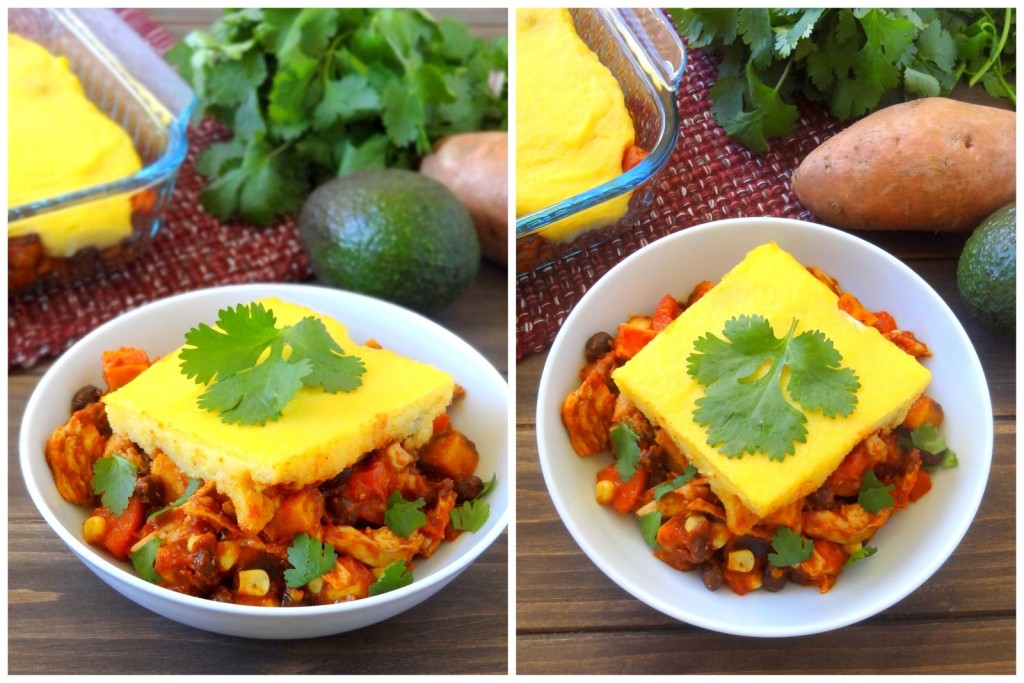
{"x": 191, "y": 251}
{"x": 709, "y": 177}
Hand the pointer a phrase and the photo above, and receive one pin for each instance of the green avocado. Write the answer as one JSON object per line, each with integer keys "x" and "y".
{"x": 394, "y": 234}
{"x": 987, "y": 272}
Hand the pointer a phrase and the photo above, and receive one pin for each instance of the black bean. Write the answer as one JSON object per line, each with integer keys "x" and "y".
{"x": 711, "y": 575}
{"x": 774, "y": 579}
{"x": 822, "y": 499}
{"x": 754, "y": 544}
{"x": 84, "y": 396}
{"x": 468, "y": 488}
{"x": 930, "y": 459}
{"x": 150, "y": 489}
{"x": 598, "y": 345}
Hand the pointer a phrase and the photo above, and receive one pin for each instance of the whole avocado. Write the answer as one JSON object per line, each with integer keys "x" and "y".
{"x": 986, "y": 274}
{"x": 394, "y": 234}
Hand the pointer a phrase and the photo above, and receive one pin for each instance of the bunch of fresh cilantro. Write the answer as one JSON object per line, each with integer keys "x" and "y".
{"x": 311, "y": 94}
{"x": 853, "y": 60}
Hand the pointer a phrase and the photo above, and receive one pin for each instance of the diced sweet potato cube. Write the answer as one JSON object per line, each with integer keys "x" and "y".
{"x": 450, "y": 454}
{"x": 923, "y": 410}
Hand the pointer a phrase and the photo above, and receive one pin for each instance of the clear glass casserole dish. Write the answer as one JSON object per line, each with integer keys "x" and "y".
{"x": 130, "y": 83}
{"x": 643, "y": 51}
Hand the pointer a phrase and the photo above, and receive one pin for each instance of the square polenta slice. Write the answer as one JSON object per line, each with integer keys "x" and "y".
{"x": 317, "y": 436}
{"x": 771, "y": 283}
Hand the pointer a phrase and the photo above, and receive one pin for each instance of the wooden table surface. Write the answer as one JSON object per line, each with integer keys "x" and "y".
{"x": 63, "y": 620}
{"x": 571, "y": 618}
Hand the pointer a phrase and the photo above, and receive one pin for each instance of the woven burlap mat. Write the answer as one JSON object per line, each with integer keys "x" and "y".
{"x": 709, "y": 177}
{"x": 191, "y": 251}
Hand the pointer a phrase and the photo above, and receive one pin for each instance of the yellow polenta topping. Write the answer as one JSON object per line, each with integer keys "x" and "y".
{"x": 572, "y": 126}
{"x": 771, "y": 283}
{"x": 317, "y": 436}
{"x": 60, "y": 142}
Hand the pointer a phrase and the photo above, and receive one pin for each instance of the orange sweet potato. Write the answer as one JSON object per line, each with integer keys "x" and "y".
{"x": 931, "y": 164}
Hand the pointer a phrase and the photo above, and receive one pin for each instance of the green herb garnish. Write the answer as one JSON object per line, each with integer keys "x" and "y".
{"x": 471, "y": 515}
{"x": 193, "y": 484}
{"x": 790, "y": 548}
{"x": 853, "y": 60}
{"x": 874, "y": 495}
{"x": 315, "y": 93}
{"x": 745, "y": 409}
{"x": 250, "y": 376}
{"x": 113, "y": 478}
{"x": 661, "y": 489}
{"x": 649, "y": 525}
{"x": 403, "y": 516}
{"x": 396, "y": 575}
{"x": 926, "y": 438}
{"x": 309, "y": 559}
{"x": 625, "y": 444}
{"x": 144, "y": 560}
{"x": 858, "y": 555}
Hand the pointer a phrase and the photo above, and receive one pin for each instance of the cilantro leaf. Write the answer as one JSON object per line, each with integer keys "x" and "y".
{"x": 661, "y": 489}
{"x": 309, "y": 559}
{"x": 331, "y": 369}
{"x": 113, "y": 478}
{"x": 926, "y": 437}
{"x": 403, "y": 516}
{"x": 144, "y": 560}
{"x": 790, "y": 548}
{"x": 193, "y": 484}
{"x": 874, "y": 495}
{"x": 649, "y": 526}
{"x": 244, "y": 357}
{"x": 241, "y": 338}
{"x": 858, "y": 555}
{"x": 396, "y": 575}
{"x": 471, "y": 515}
{"x": 488, "y": 485}
{"x": 744, "y": 411}
{"x": 627, "y": 451}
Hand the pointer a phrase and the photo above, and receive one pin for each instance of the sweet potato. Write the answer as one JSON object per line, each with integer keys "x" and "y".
{"x": 930, "y": 164}
{"x": 474, "y": 166}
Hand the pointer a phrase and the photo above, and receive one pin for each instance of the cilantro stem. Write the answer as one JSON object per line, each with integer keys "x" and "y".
{"x": 996, "y": 51}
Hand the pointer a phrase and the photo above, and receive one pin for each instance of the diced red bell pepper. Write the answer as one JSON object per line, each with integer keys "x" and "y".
{"x": 628, "y": 493}
{"x": 631, "y": 338}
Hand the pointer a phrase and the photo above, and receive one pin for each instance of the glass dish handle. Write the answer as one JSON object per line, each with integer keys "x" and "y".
{"x": 654, "y": 42}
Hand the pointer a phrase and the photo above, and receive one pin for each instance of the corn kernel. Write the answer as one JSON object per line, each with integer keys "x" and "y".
{"x": 719, "y": 535}
{"x": 740, "y": 560}
{"x": 604, "y": 492}
{"x": 227, "y": 554}
{"x": 191, "y": 542}
{"x": 253, "y": 582}
{"x": 316, "y": 585}
{"x": 94, "y": 529}
{"x": 693, "y": 521}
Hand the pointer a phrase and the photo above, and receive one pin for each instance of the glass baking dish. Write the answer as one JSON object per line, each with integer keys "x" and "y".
{"x": 645, "y": 54}
{"x": 131, "y": 84}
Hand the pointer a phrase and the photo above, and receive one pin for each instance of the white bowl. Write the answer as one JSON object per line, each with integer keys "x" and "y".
{"x": 159, "y": 328}
{"x": 915, "y": 542}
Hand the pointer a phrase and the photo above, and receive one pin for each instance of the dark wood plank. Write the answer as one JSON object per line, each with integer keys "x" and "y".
{"x": 971, "y": 645}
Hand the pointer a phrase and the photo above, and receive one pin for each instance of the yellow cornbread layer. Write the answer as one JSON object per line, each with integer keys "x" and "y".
{"x": 572, "y": 125}
{"x": 318, "y": 435}
{"x": 60, "y": 142}
{"x": 771, "y": 283}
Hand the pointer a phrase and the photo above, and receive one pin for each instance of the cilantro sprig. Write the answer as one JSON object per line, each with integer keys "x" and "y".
{"x": 250, "y": 377}
{"x": 875, "y": 496}
{"x": 315, "y": 93}
{"x": 309, "y": 559}
{"x": 790, "y": 548}
{"x": 926, "y": 438}
{"x": 193, "y": 485}
{"x": 396, "y": 575}
{"x": 853, "y": 60}
{"x": 144, "y": 560}
{"x": 402, "y": 516}
{"x": 745, "y": 408}
{"x": 473, "y": 514}
{"x": 625, "y": 445}
{"x": 113, "y": 479}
